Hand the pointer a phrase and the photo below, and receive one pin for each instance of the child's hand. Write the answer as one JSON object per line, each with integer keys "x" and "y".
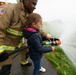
{"x": 53, "y": 48}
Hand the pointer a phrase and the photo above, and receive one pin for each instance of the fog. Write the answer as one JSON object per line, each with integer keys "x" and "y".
{"x": 64, "y": 10}
{"x": 50, "y": 10}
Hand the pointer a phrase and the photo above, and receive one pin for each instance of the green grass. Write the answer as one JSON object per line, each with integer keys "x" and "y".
{"x": 60, "y": 62}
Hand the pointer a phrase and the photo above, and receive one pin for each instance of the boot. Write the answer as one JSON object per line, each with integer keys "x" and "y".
{"x": 25, "y": 63}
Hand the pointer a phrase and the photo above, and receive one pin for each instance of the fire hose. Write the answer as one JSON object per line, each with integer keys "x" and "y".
{"x": 52, "y": 42}
{"x": 5, "y": 55}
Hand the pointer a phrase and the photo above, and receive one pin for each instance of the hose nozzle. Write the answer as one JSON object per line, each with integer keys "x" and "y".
{"x": 55, "y": 41}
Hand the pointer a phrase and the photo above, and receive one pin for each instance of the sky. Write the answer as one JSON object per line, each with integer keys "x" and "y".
{"x": 50, "y": 10}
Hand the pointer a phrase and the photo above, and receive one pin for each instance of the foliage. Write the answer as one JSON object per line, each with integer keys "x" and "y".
{"x": 60, "y": 62}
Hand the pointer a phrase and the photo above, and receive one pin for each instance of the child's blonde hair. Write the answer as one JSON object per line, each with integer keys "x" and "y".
{"x": 33, "y": 17}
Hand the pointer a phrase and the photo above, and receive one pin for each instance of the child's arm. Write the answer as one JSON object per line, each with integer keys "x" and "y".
{"x": 36, "y": 44}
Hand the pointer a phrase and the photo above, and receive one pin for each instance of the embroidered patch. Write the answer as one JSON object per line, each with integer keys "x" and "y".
{"x": 2, "y": 11}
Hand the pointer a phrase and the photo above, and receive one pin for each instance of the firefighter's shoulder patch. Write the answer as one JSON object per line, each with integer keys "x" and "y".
{"x": 2, "y": 11}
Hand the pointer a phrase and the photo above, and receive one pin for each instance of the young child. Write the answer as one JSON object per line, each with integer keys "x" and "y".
{"x": 34, "y": 40}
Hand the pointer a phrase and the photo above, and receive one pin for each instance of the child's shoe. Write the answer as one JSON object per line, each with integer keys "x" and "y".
{"x": 42, "y": 69}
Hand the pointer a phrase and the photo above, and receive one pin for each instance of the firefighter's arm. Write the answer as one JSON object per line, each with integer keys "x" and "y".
{"x": 43, "y": 33}
{"x": 4, "y": 23}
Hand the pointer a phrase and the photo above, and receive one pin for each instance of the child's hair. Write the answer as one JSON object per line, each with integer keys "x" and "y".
{"x": 33, "y": 17}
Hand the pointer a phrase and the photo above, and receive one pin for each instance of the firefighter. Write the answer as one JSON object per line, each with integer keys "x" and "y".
{"x": 12, "y": 20}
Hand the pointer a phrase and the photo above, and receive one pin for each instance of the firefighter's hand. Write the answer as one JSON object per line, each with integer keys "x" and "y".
{"x": 3, "y": 56}
{"x": 49, "y": 36}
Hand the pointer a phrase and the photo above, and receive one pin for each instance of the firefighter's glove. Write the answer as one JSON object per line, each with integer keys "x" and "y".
{"x": 3, "y": 56}
{"x": 5, "y": 70}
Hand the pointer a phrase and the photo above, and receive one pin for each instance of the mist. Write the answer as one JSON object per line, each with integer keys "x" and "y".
{"x": 50, "y": 10}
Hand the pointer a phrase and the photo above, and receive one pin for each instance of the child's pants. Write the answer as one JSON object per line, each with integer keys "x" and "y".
{"x": 36, "y": 66}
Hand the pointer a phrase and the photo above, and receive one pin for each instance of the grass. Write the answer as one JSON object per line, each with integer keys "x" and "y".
{"x": 58, "y": 58}
{"x": 60, "y": 62}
